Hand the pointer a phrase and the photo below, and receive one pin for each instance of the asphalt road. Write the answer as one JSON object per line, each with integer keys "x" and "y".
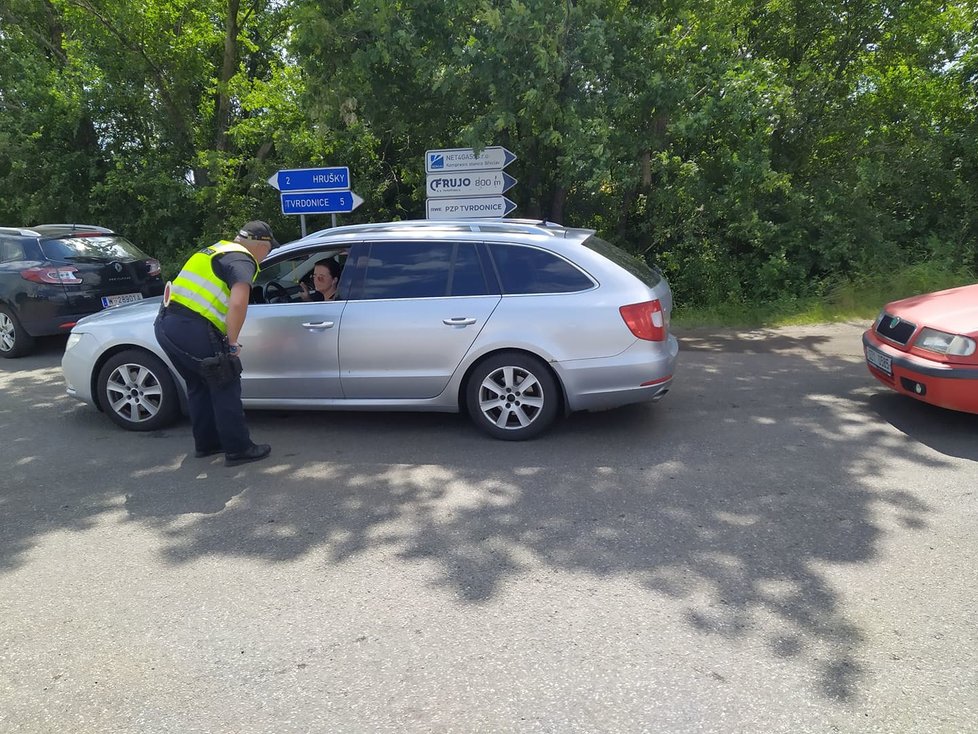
{"x": 779, "y": 546}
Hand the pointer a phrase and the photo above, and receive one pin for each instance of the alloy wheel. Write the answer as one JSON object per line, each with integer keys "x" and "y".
{"x": 8, "y": 334}
{"x": 511, "y": 398}
{"x": 134, "y": 392}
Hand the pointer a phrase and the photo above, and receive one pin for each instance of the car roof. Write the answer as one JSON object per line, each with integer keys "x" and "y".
{"x": 481, "y": 228}
{"x": 55, "y": 230}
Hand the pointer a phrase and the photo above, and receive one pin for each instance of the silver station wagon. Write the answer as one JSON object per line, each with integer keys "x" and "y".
{"x": 516, "y": 322}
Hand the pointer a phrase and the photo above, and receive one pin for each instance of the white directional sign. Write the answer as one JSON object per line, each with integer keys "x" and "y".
{"x": 468, "y": 183}
{"x": 470, "y": 207}
{"x": 461, "y": 184}
{"x": 494, "y": 158}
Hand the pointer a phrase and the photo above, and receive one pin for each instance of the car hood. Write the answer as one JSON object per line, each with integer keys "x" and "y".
{"x": 145, "y": 310}
{"x": 954, "y": 310}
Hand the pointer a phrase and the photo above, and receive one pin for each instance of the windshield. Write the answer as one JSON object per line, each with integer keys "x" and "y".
{"x": 104, "y": 248}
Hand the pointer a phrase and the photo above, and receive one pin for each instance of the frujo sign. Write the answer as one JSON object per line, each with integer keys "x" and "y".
{"x": 468, "y": 183}
{"x": 463, "y": 184}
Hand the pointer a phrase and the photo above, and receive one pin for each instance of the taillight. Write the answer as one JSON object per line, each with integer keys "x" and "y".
{"x": 52, "y": 274}
{"x": 154, "y": 267}
{"x": 645, "y": 320}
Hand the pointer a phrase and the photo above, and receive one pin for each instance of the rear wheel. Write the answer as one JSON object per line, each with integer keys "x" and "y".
{"x": 137, "y": 391}
{"x": 512, "y": 396}
{"x": 14, "y": 341}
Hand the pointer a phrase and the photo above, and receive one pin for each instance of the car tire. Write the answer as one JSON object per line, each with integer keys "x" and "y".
{"x": 512, "y": 396}
{"x": 14, "y": 340}
{"x": 137, "y": 391}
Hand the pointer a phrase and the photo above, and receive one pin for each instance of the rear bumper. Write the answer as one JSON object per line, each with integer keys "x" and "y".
{"x": 56, "y": 313}
{"x": 946, "y": 386}
{"x": 642, "y": 373}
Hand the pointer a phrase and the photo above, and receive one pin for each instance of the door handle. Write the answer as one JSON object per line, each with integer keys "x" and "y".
{"x": 458, "y": 321}
{"x": 318, "y": 326}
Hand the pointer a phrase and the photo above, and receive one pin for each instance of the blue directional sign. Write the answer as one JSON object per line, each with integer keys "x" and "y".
{"x": 320, "y": 202}
{"x": 336, "y": 178}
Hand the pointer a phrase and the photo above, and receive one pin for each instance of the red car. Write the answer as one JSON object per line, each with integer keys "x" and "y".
{"x": 924, "y": 347}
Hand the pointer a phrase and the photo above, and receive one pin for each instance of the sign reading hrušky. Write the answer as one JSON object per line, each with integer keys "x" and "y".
{"x": 336, "y": 178}
{"x": 315, "y": 191}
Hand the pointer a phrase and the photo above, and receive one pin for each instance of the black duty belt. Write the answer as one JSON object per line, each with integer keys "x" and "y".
{"x": 178, "y": 309}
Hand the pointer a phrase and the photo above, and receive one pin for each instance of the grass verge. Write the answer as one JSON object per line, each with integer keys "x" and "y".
{"x": 850, "y": 300}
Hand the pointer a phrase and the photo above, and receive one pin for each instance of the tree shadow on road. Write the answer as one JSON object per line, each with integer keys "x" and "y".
{"x": 726, "y": 499}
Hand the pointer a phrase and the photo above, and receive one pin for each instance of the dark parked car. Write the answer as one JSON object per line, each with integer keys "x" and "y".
{"x": 52, "y": 275}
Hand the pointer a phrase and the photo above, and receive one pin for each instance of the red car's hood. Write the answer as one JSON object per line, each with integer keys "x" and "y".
{"x": 954, "y": 310}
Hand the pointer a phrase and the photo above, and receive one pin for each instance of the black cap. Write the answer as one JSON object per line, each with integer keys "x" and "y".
{"x": 258, "y": 230}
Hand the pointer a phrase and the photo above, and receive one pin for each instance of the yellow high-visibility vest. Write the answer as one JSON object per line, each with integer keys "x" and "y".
{"x": 200, "y": 290}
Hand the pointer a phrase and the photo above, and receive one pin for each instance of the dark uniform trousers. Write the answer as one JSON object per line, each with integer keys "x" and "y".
{"x": 216, "y": 412}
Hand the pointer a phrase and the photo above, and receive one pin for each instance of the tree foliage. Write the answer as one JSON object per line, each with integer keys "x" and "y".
{"x": 756, "y": 149}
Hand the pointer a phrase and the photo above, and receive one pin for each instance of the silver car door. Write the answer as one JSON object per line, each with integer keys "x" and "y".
{"x": 416, "y": 308}
{"x": 408, "y": 348}
{"x": 290, "y": 350}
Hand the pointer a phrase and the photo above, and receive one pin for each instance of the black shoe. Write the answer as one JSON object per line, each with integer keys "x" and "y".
{"x": 256, "y": 452}
{"x": 201, "y": 453}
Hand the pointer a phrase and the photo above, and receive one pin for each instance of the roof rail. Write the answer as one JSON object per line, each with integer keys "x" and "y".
{"x": 526, "y": 226}
{"x": 71, "y": 227}
{"x": 20, "y": 231}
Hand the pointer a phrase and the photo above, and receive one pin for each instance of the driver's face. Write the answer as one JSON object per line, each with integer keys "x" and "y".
{"x": 322, "y": 278}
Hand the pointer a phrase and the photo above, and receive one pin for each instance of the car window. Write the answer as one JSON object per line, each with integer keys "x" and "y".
{"x": 420, "y": 270}
{"x": 632, "y": 263}
{"x": 468, "y": 277}
{"x": 281, "y": 269}
{"x": 293, "y": 268}
{"x": 530, "y": 270}
{"x": 103, "y": 247}
{"x": 10, "y": 250}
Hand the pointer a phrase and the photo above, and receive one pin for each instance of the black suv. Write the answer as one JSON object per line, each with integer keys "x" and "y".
{"x": 53, "y": 274}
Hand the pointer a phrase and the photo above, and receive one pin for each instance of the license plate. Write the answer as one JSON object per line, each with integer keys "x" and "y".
{"x": 121, "y": 300}
{"x": 879, "y": 360}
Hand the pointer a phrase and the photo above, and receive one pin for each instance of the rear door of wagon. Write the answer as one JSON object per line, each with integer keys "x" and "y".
{"x": 415, "y": 309}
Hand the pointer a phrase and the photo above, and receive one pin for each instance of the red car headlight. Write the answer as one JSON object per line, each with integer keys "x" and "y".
{"x": 941, "y": 342}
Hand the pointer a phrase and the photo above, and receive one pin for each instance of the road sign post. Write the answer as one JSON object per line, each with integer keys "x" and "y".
{"x": 315, "y": 191}
{"x": 463, "y": 184}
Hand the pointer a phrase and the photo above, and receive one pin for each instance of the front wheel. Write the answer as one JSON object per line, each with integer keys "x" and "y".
{"x": 14, "y": 341}
{"x": 512, "y": 396}
{"x": 137, "y": 391}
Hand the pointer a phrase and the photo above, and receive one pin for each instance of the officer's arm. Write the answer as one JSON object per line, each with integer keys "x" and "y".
{"x": 237, "y": 308}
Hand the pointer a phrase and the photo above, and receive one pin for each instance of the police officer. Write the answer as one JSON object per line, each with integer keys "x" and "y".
{"x": 203, "y": 311}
